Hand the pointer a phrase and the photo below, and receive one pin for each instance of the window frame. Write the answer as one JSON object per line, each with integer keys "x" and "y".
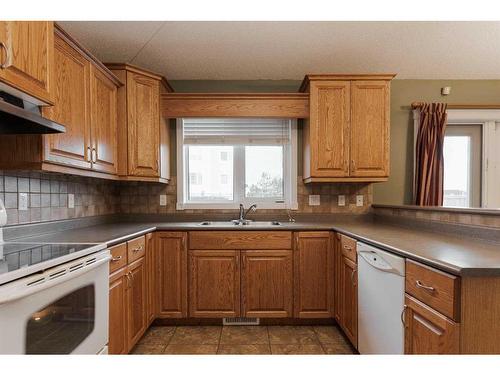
{"x": 290, "y": 155}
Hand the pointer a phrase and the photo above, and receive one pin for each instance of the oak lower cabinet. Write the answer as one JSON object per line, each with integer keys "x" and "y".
{"x": 427, "y": 331}
{"x": 128, "y": 295}
{"x": 136, "y": 301}
{"x": 27, "y": 58}
{"x": 313, "y": 275}
{"x": 347, "y": 287}
{"x": 118, "y": 343}
{"x": 346, "y": 138}
{"x": 214, "y": 284}
{"x": 267, "y": 283}
{"x": 172, "y": 257}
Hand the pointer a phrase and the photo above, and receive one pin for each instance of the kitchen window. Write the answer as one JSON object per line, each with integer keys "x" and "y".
{"x": 236, "y": 161}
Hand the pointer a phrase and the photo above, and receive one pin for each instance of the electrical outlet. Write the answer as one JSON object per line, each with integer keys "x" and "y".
{"x": 23, "y": 201}
{"x": 314, "y": 200}
{"x": 359, "y": 200}
{"x": 163, "y": 200}
{"x": 341, "y": 200}
{"x": 71, "y": 201}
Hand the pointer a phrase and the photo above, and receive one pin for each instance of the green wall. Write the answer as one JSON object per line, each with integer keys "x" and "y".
{"x": 398, "y": 190}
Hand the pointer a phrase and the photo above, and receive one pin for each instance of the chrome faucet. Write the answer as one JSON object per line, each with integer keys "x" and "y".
{"x": 243, "y": 214}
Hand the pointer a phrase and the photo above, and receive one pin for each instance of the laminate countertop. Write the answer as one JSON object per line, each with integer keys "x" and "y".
{"x": 456, "y": 254}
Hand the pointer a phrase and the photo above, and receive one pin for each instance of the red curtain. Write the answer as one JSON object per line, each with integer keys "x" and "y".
{"x": 429, "y": 161}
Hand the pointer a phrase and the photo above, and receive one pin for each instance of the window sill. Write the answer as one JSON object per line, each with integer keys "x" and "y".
{"x": 235, "y": 206}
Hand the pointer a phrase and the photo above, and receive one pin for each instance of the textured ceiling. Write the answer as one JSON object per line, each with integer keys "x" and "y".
{"x": 288, "y": 50}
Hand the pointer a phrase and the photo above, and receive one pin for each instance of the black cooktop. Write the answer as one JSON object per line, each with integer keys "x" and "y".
{"x": 28, "y": 257}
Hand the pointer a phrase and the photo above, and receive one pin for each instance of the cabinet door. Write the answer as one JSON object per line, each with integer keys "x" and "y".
{"x": 28, "y": 57}
{"x": 172, "y": 255}
{"x": 118, "y": 343}
{"x": 143, "y": 105}
{"x": 266, "y": 283}
{"x": 103, "y": 122}
{"x": 313, "y": 275}
{"x": 136, "y": 301}
{"x": 329, "y": 128}
{"x": 152, "y": 278}
{"x": 370, "y": 106}
{"x": 427, "y": 331}
{"x": 71, "y": 108}
{"x": 214, "y": 289}
{"x": 349, "y": 300}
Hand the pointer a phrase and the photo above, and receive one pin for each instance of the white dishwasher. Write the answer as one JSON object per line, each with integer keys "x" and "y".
{"x": 381, "y": 288}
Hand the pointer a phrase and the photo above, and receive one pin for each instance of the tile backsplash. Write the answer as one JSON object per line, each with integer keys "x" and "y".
{"x": 48, "y": 196}
{"x": 145, "y": 198}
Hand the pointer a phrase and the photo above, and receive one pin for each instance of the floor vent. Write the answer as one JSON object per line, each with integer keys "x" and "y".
{"x": 240, "y": 321}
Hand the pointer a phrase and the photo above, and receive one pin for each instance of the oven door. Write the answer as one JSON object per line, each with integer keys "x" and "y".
{"x": 60, "y": 311}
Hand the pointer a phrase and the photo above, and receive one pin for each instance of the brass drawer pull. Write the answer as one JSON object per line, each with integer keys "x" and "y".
{"x": 347, "y": 247}
{"x": 116, "y": 259}
{"x": 420, "y": 285}
{"x": 137, "y": 249}
{"x": 5, "y": 64}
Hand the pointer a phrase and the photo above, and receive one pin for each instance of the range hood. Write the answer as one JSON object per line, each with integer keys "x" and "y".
{"x": 21, "y": 117}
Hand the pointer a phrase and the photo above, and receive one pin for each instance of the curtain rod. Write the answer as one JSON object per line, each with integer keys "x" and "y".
{"x": 417, "y": 105}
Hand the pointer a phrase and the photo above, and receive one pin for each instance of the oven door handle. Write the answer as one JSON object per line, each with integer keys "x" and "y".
{"x": 36, "y": 283}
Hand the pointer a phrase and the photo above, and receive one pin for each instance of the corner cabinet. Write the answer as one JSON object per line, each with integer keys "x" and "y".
{"x": 27, "y": 58}
{"x": 143, "y": 134}
{"x": 346, "y": 137}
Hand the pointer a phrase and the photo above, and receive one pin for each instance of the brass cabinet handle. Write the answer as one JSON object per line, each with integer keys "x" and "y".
{"x": 127, "y": 275}
{"x": 347, "y": 248}
{"x": 403, "y": 315}
{"x": 353, "y": 165}
{"x": 116, "y": 259}
{"x": 419, "y": 284}
{"x": 352, "y": 277}
{"x": 89, "y": 151}
{"x": 137, "y": 249}
{"x": 5, "y": 64}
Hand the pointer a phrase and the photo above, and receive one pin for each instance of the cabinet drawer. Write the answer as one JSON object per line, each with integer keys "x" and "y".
{"x": 136, "y": 248}
{"x": 247, "y": 240}
{"x": 348, "y": 246}
{"x": 119, "y": 257}
{"x": 437, "y": 289}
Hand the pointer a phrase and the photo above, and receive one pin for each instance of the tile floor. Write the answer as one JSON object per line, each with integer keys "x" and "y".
{"x": 243, "y": 340}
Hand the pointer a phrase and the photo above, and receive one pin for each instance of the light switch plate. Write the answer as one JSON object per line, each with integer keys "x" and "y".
{"x": 314, "y": 200}
{"x": 359, "y": 200}
{"x": 23, "y": 202}
{"x": 163, "y": 200}
{"x": 341, "y": 201}
{"x": 71, "y": 201}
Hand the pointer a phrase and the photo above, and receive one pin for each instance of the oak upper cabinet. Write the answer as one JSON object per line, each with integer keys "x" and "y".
{"x": 348, "y": 289}
{"x": 427, "y": 331}
{"x": 141, "y": 128}
{"x": 346, "y": 137}
{"x": 136, "y": 301}
{"x": 172, "y": 256}
{"x": 214, "y": 285}
{"x": 313, "y": 275}
{"x": 369, "y": 135}
{"x": 267, "y": 283}
{"x": 71, "y": 108}
{"x": 327, "y": 132}
{"x": 103, "y": 121}
{"x": 27, "y": 58}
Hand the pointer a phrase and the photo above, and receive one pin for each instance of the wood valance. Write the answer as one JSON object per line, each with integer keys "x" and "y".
{"x": 286, "y": 105}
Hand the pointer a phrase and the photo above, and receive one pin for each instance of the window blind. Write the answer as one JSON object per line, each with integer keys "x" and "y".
{"x": 236, "y": 131}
